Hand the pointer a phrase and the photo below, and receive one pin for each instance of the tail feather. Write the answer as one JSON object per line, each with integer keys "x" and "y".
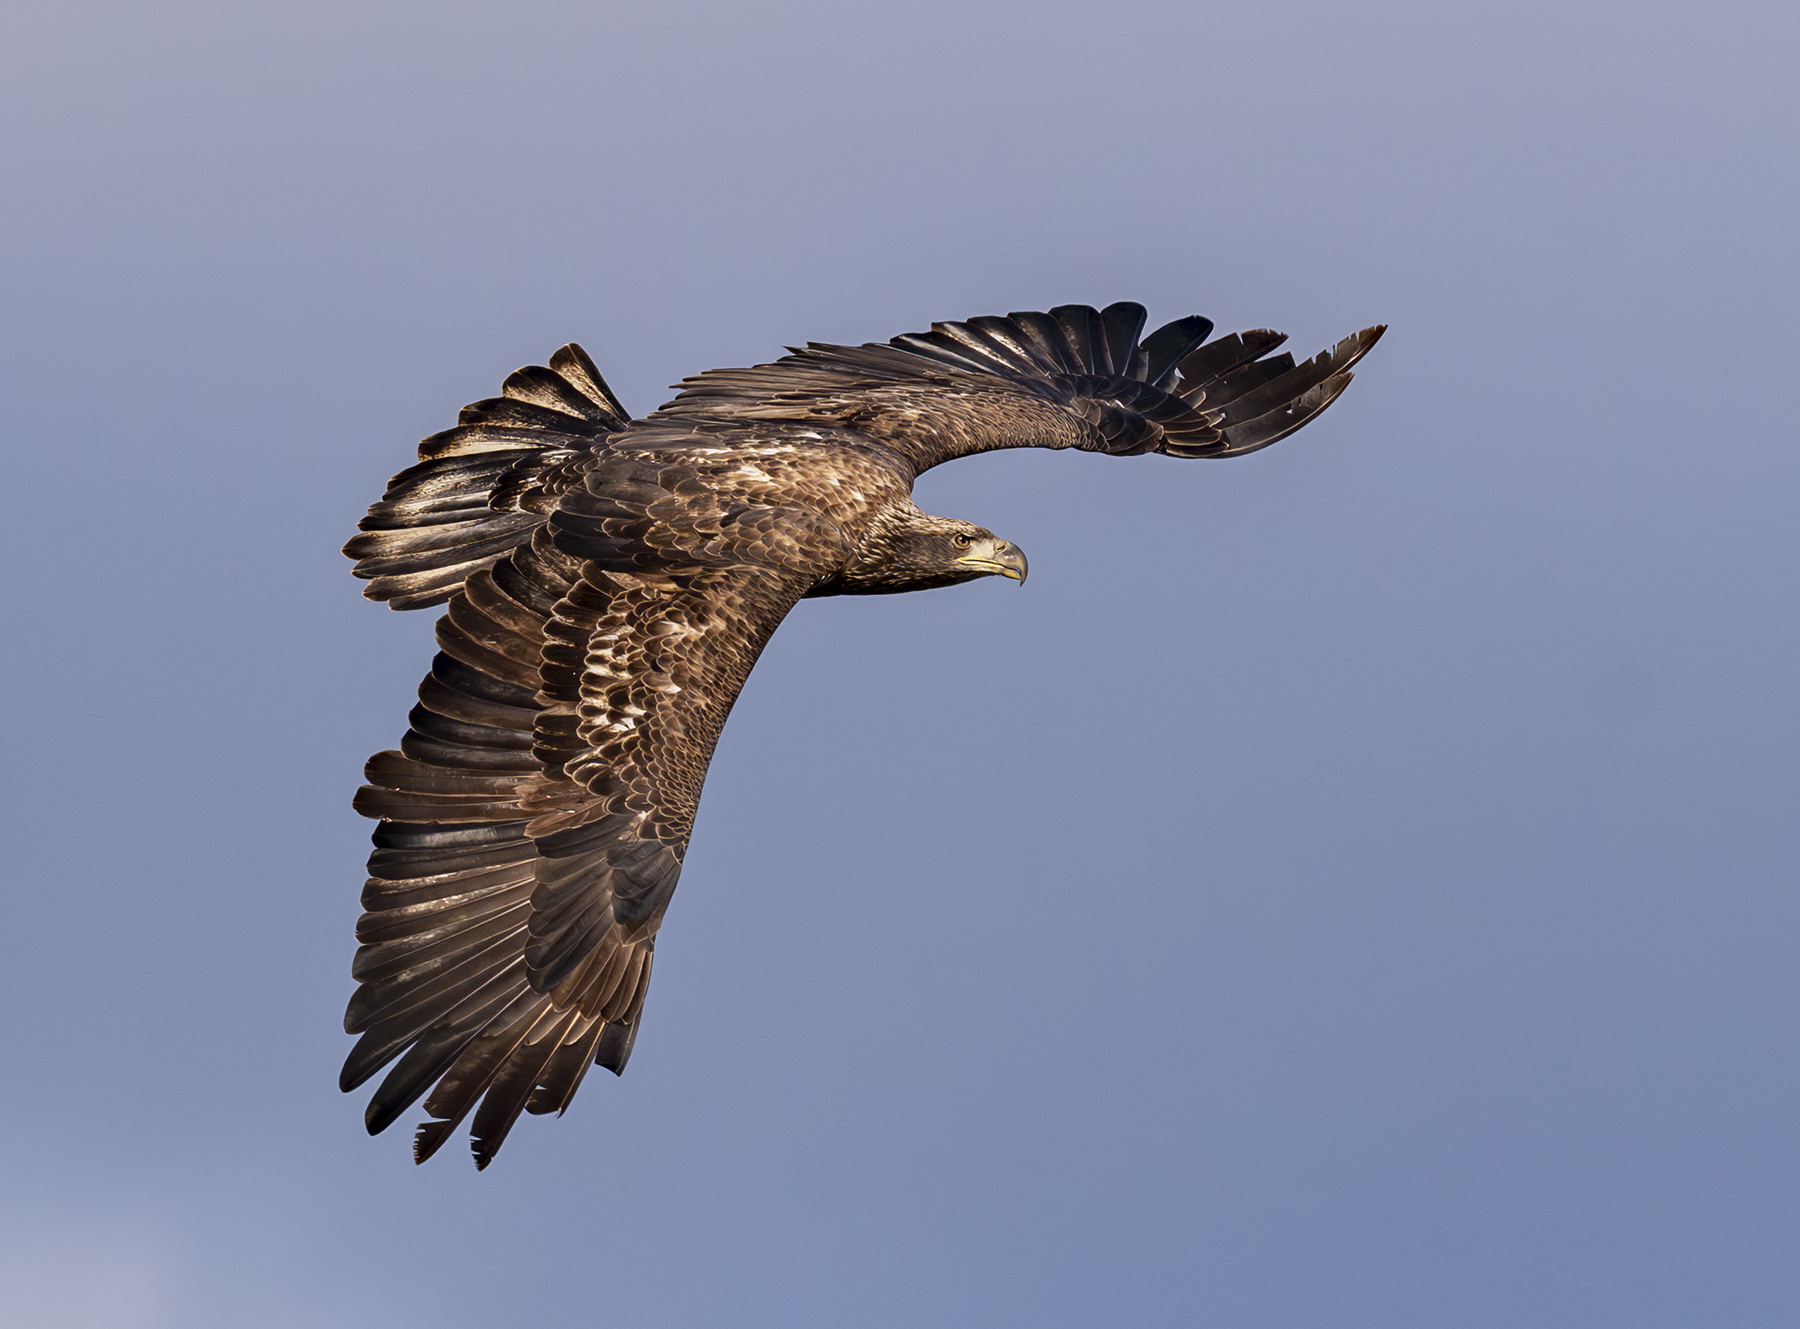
{"x": 478, "y": 490}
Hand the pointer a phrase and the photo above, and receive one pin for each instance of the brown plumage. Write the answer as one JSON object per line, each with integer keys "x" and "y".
{"x": 610, "y": 583}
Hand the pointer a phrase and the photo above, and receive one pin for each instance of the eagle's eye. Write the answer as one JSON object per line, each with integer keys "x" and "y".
{"x": 964, "y": 541}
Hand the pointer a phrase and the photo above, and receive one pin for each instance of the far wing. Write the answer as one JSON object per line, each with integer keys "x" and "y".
{"x": 1073, "y": 377}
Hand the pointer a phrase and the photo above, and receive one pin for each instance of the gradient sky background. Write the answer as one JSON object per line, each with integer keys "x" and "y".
{"x": 1349, "y": 886}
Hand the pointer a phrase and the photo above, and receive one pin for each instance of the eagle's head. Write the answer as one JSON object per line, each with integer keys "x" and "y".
{"x": 921, "y": 552}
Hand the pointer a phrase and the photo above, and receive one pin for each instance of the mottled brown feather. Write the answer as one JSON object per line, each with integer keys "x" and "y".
{"x": 610, "y": 585}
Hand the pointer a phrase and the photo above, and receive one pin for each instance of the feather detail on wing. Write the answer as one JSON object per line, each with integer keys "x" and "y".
{"x": 480, "y": 489}
{"x": 444, "y": 982}
{"x": 640, "y": 672}
{"x": 1072, "y": 377}
{"x": 533, "y": 825}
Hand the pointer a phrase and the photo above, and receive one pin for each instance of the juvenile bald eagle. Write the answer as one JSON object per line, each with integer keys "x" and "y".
{"x": 610, "y": 583}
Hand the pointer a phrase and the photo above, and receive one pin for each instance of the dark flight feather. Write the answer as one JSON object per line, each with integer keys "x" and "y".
{"x": 609, "y": 583}
{"x": 1121, "y": 323}
{"x": 1201, "y": 368}
{"x": 1299, "y": 380}
{"x": 563, "y": 1074}
{"x": 1245, "y": 379}
{"x": 1169, "y": 345}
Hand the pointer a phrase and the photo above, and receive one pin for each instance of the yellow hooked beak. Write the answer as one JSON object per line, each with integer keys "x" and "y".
{"x": 999, "y": 557}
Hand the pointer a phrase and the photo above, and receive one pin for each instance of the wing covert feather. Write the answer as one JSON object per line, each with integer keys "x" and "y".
{"x": 633, "y": 711}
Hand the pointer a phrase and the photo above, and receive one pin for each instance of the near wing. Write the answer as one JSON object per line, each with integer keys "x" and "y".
{"x": 1072, "y": 377}
{"x": 534, "y": 823}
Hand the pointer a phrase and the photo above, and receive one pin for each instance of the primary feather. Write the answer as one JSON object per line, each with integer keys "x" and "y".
{"x": 609, "y": 586}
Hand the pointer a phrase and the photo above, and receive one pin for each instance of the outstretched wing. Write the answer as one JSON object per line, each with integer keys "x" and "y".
{"x": 639, "y": 676}
{"x": 688, "y": 567}
{"x": 480, "y": 489}
{"x": 444, "y": 983}
{"x": 535, "y": 818}
{"x": 1072, "y": 377}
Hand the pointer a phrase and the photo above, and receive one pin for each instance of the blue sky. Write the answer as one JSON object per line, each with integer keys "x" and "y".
{"x": 1351, "y": 885}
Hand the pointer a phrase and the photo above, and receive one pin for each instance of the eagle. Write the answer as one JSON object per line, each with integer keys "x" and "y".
{"x": 609, "y": 584}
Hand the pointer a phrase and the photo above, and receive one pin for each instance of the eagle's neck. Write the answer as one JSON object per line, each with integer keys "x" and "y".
{"x": 898, "y": 554}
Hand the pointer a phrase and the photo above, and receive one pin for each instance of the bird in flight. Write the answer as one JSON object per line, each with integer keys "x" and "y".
{"x": 610, "y": 583}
